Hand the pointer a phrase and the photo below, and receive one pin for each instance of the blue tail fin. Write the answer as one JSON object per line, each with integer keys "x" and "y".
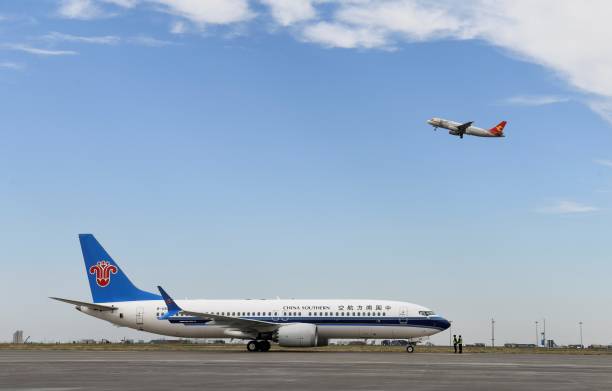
{"x": 107, "y": 281}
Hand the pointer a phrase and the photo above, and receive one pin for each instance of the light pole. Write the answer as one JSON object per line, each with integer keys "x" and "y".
{"x": 537, "y": 334}
{"x": 581, "y": 345}
{"x": 544, "y": 334}
{"x": 492, "y": 332}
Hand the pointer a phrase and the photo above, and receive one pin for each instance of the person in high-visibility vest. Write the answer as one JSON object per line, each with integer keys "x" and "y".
{"x": 460, "y": 342}
{"x": 455, "y": 342}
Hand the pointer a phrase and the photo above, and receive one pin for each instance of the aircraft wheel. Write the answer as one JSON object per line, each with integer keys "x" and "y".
{"x": 264, "y": 346}
{"x": 410, "y": 348}
{"x": 253, "y": 346}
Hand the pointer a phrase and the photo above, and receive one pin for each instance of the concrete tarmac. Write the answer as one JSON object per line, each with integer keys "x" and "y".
{"x": 223, "y": 370}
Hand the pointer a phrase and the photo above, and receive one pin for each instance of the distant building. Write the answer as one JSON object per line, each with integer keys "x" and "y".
{"x": 18, "y": 336}
{"x": 519, "y": 345}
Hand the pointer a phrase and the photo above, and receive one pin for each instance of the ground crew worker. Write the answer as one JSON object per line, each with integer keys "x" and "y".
{"x": 455, "y": 342}
{"x": 460, "y": 342}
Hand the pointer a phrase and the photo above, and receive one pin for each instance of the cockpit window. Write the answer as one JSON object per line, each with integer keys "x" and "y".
{"x": 426, "y": 313}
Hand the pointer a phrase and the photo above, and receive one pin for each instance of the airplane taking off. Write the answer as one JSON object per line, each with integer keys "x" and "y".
{"x": 292, "y": 323}
{"x": 459, "y": 129}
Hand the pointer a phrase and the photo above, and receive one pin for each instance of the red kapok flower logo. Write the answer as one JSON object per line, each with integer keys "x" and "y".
{"x": 103, "y": 270}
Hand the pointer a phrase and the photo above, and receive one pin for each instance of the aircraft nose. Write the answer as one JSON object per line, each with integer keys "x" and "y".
{"x": 444, "y": 324}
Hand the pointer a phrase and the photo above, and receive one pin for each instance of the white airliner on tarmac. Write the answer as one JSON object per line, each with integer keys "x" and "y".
{"x": 293, "y": 323}
{"x": 459, "y": 129}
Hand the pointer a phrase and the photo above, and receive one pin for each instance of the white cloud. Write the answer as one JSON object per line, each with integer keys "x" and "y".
{"x": 11, "y": 65}
{"x": 342, "y": 36}
{"x": 535, "y": 100}
{"x": 410, "y": 19}
{"x": 80, "y": 9}
{"x": 123, "y": 3}
{"x": 179, "y": 27}
{"x": 604, "y": 162}
{"x": 288, "y": 12}
{"x": 567, "y": 207}
{"x": 39, "y": 51}
{"x": 101, "y": 40}
{"x": 208, "y": 11}
{"x": 603, "y": 107}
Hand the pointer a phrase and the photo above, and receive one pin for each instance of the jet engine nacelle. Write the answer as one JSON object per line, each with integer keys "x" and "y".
{"x": 298, "y": 335}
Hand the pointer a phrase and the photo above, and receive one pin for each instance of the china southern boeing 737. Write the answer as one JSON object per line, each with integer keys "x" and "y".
{"x": 293, "y": 323}
{"x": 459, "y": 129}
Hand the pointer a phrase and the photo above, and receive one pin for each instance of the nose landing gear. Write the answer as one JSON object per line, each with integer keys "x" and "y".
{"x": 258, "y": 346}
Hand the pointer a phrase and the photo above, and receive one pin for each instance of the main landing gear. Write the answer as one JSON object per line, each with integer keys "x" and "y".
{"x": 258, "y": 346}
{"x": 410, "y": 348}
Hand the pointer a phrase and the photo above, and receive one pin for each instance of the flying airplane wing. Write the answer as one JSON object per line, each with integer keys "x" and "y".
{"x": 219, "y": 320}
{"x": 85, "y": 304}
{"x": 463, "y": 127}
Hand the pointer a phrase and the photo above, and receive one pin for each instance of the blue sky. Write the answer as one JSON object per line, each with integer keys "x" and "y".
{"x": 263, "y": 149}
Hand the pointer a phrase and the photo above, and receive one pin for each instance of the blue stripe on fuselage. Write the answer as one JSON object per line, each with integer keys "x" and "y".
{"x": 434, "y": 323}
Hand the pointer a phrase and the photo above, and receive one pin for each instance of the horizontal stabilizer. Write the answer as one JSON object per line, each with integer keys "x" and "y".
{"x": 85, "y": 304}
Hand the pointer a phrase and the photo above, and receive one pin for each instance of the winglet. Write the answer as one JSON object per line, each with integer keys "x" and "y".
{"x": 173, "y": 308}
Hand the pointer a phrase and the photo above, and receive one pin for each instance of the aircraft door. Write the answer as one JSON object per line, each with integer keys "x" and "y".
{"x": 403, "y": 315}
{"x": 139, "y": 317}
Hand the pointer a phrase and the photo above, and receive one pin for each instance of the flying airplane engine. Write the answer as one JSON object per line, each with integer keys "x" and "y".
{"x": 298, "y": 335}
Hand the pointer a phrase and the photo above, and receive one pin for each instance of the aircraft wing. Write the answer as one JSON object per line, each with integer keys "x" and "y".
{"x": 92, "y": 306}
{"x": 463, "y": 127}
{"x": 238, "y": 323}
{"x": 219, "y": 320}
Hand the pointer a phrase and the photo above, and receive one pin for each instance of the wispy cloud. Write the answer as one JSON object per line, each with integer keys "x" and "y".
{"x": 535, "y": 100}
{"x": 39, "y": 51}
{"x": 142, "y": 40}
{"x": 11, "y": 65}
{"x": 100, "y": 40}
{"x": 604, "y": 162}
{"x": 145, "y": 40}
{"x": 567, "y": 207}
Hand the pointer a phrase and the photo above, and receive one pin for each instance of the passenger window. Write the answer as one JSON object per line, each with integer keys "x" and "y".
{"x": 259, "y": 313}
{"x": 384, "y": 314}
{"x": 300, "y": 314}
